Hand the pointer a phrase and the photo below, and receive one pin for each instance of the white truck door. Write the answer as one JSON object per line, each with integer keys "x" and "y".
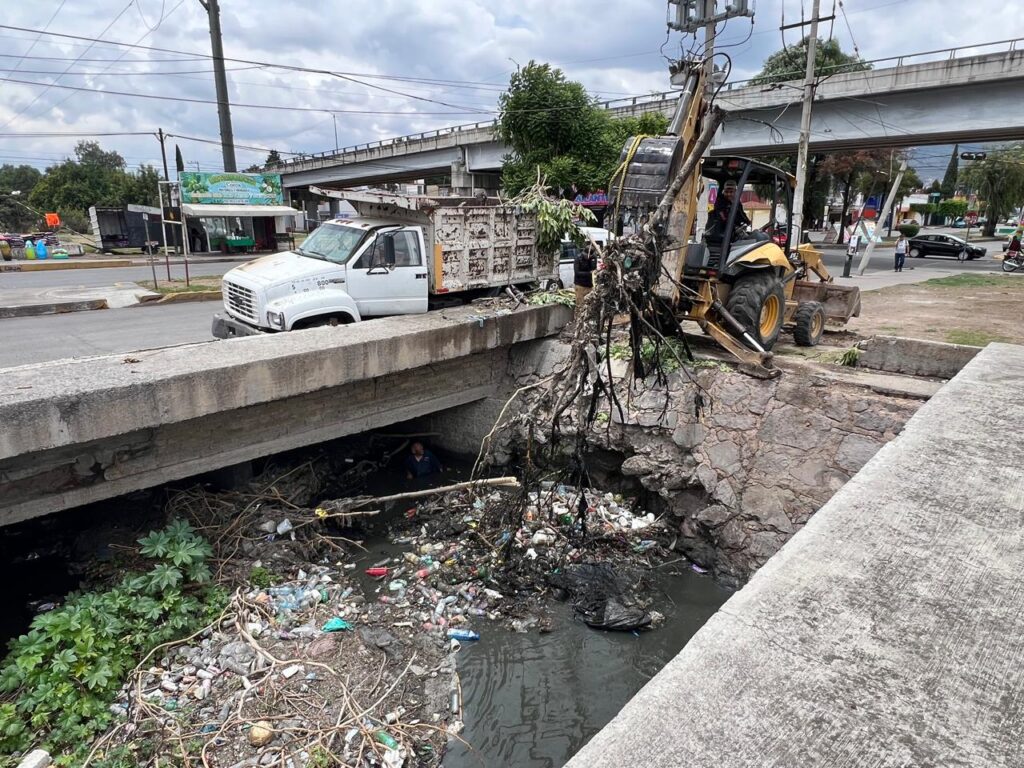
{"x": 390, "y": 276}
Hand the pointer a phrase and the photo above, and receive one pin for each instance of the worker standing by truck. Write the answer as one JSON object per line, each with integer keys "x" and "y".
{"x": 583, "y": 273}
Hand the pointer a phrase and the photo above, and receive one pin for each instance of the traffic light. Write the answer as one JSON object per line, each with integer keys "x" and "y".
{"x": 973, "y": 155}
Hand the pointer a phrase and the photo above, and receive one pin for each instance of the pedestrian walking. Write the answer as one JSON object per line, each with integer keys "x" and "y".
{"x": 583, "y": 267}
{"x": 901, "y": 252}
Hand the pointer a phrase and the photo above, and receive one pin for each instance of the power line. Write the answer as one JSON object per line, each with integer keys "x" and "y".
{"x": 125, "y": 53}
{"x": 55, "y": 34}
{"x": 40, "y": 36}
{"x": 187, "y": 100}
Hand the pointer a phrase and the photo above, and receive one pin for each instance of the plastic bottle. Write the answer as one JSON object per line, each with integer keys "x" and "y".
{"x": 41, "y": 250}
{"x": 30, "y": 250}
{"x": 463, "y": 634}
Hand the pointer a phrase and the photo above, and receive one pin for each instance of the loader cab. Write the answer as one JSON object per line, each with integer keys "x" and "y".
{"x": 727, "y": 238}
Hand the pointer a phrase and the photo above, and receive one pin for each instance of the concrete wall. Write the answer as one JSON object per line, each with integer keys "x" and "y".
{"x": 914, "y": 356}
{"x": 82, "y": 430}
{"x": 886, "y": 633}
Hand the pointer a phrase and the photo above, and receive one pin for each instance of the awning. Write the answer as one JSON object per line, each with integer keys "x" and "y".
{"x": 200, "y": 211}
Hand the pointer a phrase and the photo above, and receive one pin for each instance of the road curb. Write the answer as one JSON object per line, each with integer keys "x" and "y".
{"x": 183, "y": 298}
{"x": 45, "y": 266}
{"x": 52, "y": 308}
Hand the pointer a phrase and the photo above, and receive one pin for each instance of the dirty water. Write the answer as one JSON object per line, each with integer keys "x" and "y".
{"x": 532, "y": 700}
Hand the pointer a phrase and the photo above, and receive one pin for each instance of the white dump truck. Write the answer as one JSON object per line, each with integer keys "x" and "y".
{"x": 399, "y": 255}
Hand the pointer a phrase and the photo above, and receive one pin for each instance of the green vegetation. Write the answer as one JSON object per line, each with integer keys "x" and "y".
{"x": 262, "y": 578}
{"x": 999, "y": 181}
{"x": 849, "y": 358}
{"x": 973, "y": 338}
{"x": 556, "y": 218}
{"x": 196, "y": 285}
{"x": 968, "y": 281}
{"x": 791, "y": 62}
{"x": 59, "y": 679}
{"x": 94, "y": 177}
{"x": 909, "y": 230}
{"x": 540, "y": 298}
{"x": 552, "y": 124}
{"x": 667, "y": 356}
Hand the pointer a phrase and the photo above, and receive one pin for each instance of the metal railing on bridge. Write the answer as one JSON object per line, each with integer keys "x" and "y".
{"x": 1010, "y": 45}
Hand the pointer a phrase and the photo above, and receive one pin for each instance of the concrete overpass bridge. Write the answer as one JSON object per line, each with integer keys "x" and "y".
{"x": 937, "y": 97}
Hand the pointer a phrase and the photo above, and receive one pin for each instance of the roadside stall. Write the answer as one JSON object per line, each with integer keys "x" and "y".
{"x": 234, "y": 212}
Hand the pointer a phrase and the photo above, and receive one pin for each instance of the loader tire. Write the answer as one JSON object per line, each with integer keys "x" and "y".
{"x": 810, "y": 324}
{"x": 758, "y": 302}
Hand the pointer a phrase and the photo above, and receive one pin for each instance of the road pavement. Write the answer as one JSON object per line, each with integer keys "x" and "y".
{"x": 36, "y": 339}
{"x": 92, "y": 278}
{"x": 103, "y": 331}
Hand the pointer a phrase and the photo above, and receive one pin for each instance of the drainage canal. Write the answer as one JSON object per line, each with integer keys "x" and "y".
{"x": 323, "y": 651}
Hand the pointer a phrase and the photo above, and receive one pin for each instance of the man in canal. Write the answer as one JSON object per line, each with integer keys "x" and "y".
{"x": 421, "y": 463}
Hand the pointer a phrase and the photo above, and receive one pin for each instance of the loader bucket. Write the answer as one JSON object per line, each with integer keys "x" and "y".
{"x": 841, "y": 302}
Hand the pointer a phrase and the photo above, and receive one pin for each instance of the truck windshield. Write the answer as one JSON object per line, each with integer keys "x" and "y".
{"x": 332, "y": 242}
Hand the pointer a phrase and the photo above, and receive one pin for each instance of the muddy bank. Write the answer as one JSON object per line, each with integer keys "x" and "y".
{"x": 743, "y": 472}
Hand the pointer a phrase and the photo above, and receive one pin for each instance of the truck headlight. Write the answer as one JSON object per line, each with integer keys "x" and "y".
{"x": 275, "y": 319}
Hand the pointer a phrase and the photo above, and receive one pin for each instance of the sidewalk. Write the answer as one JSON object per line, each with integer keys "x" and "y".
{"x": 87, "y": 262}
{"x": 30, "y": 302}
{"x": 875, "y": 278}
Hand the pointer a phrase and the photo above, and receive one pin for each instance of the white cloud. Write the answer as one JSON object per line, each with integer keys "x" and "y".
{"x": 610, "y": 45}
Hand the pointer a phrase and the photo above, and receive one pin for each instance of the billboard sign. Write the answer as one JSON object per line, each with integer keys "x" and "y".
{"x": 231, "y": 188}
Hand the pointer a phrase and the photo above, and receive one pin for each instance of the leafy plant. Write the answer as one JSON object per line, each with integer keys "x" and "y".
{"x": 555, "y": 218}
{"x": 261, "y": 577}
{"x": 850, "y": 357}
{"x": 541, "y": 298}
{"x": 669, "y": 355}
{"x": 909, "y": 230}
{"x": 59, "y": 678}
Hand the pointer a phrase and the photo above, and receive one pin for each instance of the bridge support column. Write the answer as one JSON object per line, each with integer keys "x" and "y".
{"x": 462, "y": 180}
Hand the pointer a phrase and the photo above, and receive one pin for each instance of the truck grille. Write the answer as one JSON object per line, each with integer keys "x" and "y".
{"x": 241, "y": 300}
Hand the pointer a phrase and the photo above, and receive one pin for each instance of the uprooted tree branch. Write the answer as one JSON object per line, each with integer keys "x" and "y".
{"x": 632, "y": 268}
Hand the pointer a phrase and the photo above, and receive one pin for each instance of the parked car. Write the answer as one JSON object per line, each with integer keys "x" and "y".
{"x": 960, "y": 223}
{"x": 943, "y": 245}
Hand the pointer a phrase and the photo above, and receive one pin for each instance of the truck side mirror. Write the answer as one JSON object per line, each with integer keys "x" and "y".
{"x": 389, "y": 249}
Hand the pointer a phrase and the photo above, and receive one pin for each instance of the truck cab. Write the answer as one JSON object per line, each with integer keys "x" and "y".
{"x": 345, "y": 271}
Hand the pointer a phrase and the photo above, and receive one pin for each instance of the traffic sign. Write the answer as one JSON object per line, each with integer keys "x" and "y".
{"x": 971, "y": 217}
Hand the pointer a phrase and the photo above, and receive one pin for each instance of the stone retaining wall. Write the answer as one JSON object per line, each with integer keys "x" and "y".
{"x": 749, "y": 472}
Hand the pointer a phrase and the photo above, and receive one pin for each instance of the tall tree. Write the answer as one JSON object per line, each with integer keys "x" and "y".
{"x": 999, "y": 182}
{"x": 14, "y": 216}
{"x": 551, "y": 123}
{"x": 791, "y": 62}
{"x": 273, "y": 158}
{"x": 853, "y": 172}
{"x": 94, "y": 177}
{"x": 948, "y": 187}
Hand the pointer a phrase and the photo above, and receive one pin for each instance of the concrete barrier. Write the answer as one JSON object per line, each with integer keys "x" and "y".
{"x": 887, "y": 632}
{"x": 915, "y": 357}
{"x": 77, "y": 431}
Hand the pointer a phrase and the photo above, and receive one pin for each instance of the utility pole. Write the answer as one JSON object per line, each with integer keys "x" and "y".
{"x": 163, "y": 152}
{"x": 805, "y": 129}
{"x": 227, "y": 138}
{"x": 334, "y": 117}
{"x": 881, "y": 220}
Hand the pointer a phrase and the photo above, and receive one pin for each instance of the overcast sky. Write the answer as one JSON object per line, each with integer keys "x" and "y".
{"x": 611, "y": 46}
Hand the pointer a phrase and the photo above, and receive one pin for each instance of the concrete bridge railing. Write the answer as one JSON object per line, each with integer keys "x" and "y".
{"x": 78, "y": 431}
